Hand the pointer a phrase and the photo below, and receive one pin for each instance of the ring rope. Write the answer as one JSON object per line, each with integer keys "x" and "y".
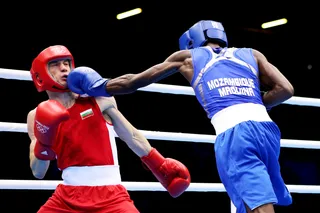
{"x": 161, "y": 88}
{"x": 142, "y": 186}
{"x": 176, "y": 136}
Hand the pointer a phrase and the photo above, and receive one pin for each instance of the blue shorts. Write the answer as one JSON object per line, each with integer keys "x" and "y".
{"x": 247, "y": 161}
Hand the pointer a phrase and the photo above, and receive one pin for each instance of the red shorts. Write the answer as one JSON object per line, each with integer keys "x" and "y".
{"x": 89, "y": 199}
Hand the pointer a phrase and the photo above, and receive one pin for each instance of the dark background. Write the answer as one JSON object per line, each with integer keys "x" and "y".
{"x": 96, "y": 39}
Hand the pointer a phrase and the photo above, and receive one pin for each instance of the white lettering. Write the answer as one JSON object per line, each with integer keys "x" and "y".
{"x": 251, "y": 83}
{"x": 247, "y": 91}
{"x": 230, "y": 86}
{"x": 210, "y": 85}
{"x": 222, "y": 92}
{"x": 239, "y": 82}
{"x": 221, "y": 82}
{"x": 216, "y": 82}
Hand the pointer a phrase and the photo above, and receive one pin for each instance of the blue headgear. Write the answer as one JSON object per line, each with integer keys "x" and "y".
{"x": 201, "y": 32}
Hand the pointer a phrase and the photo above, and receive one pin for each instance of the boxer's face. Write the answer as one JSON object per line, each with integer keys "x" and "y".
{"x": 59, "y": 70}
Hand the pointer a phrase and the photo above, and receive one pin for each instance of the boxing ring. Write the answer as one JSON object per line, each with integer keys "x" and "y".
{"x": 156, "y": 135}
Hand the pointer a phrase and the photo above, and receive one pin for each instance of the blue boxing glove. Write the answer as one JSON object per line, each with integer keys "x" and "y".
{"x": 84, "y": 80}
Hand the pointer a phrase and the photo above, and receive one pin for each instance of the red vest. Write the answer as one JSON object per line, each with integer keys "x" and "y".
{"x": 85, "y": 139}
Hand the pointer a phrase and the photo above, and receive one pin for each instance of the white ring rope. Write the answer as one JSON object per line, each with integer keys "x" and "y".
{"x": 142, "y": 186}
{"x": 176, "y": 136}
{"x": 162, "y": 88}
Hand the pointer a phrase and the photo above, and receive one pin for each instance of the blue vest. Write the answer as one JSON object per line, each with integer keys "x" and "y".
{"x": 224, "y": 79}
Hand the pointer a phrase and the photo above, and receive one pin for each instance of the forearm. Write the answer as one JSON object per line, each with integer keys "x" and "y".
{"x": 38, "y": 167}
{"x": 131, "y": 82}
{"x": 276, "y": 96}
{"x": 128, "y": 133}
{"x": 139, "y": 144}
{"x": 155, "y": 73}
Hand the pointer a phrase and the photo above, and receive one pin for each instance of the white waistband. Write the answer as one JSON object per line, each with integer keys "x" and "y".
{"x": 91, "y": 175}
{"x": 233, "y": 115}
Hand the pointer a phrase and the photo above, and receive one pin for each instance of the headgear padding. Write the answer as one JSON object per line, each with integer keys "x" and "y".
{"x": 202, "y": 32}
{"x": 39, "y": 69}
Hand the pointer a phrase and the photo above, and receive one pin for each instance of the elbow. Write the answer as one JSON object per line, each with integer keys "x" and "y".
{"x": 289, "y": 90}
{"x": 292, "y": 90}
{"x": 285, "y": 91}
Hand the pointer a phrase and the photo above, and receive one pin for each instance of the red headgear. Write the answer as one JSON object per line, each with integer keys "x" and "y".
{"x": 39, "y": 69}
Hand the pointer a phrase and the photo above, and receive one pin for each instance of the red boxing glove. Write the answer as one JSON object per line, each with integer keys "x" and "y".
{"x": 172, "y": 174}
{"x": 49, "y": 115}
{"x": 44, "y": 152}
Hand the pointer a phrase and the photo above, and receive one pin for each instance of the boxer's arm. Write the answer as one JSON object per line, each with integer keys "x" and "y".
{"x": 270, "y": 77}
{"x": 172, "y": 174}
{"x": 124, "y": 129}
{"x": 129, "y": 134}
{"x": 131, "y": 82}
{"x": 38, "y": 167}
